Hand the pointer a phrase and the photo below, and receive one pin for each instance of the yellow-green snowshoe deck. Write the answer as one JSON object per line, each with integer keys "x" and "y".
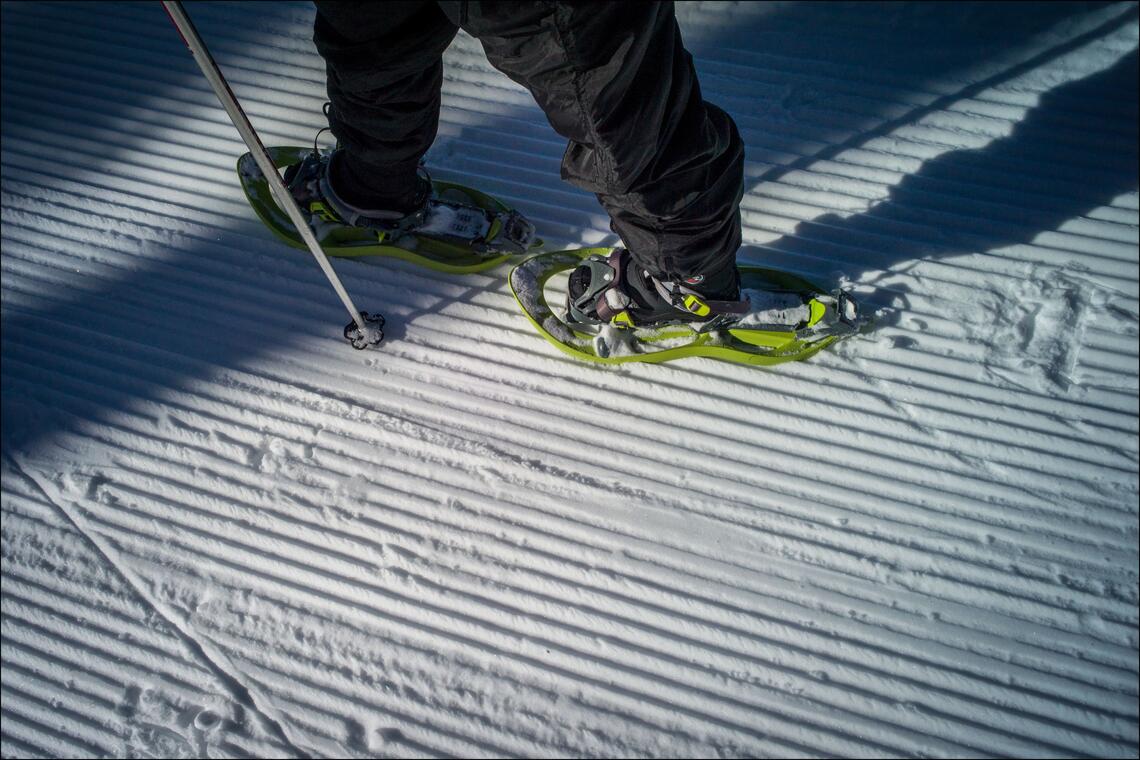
{"x": 612, "y": 345}
{"x": 339, "y": 239}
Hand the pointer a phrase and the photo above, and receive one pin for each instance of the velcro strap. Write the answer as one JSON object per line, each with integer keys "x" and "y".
{"x": 728, "y": 307}
{"x": 613, "y": 300}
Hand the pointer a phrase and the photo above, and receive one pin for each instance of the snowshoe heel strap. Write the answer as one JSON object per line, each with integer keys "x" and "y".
{"x": 595, "y": 292}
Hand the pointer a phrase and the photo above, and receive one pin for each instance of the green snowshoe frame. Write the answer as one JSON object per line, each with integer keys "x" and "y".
{"x": 341, "y": 240}
{"x": 772, "y": 345}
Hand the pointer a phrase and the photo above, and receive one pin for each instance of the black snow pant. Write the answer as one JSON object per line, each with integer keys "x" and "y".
{"x": 612, "y": 77}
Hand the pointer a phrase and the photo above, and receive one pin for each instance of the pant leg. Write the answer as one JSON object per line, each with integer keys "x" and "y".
{"x": 384, "y": 69}
{"x": 615, "y": 79}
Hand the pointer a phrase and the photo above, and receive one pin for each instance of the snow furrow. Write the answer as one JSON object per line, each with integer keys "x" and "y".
{"x": 451, "y": 585}
{"x": 72, "y": 709}
{"x": 462, "y": 628}
{"x": 58, "y": 738}
{"x": 184, "y": 533}
{"x": 926, "y": 552}
{"x": 1051, "y": 432}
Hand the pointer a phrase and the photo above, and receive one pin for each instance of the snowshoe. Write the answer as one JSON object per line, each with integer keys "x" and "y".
{"x": 787, "y": 318}
{"x": 457, "y": 229}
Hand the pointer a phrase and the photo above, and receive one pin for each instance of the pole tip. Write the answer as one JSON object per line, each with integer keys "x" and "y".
{"x": 365, "y": 332}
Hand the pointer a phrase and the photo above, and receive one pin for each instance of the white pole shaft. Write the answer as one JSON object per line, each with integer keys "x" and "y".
{"x": 276, "y": 185}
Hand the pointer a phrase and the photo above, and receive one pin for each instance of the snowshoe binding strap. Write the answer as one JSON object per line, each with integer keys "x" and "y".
{"x": 595, "y": 294}
{"x": 598, "y": 294}
{"x": 687, "y": 299}
{"x": 302, "y": 179}
{"x": 377, "y": 219}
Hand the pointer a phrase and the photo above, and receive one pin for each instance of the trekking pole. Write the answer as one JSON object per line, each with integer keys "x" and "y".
{"x": 367, "y": 332}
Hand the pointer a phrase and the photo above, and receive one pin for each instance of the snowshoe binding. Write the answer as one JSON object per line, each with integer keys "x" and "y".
{"x": 452, "y": 228}
{"x": 614, "y": 290}
{"x": 615, "y": 313}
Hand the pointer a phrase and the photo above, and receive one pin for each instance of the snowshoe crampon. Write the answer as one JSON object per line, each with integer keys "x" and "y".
{"x": 829, "y": 317}
{"x": 508, "y": 233}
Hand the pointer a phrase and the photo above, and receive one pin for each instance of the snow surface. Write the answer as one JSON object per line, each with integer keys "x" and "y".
{"x": 227, "y": 533}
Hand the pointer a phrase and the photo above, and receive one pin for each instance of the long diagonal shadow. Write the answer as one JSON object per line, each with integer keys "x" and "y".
{"x": 114, "y": 157}
{"x": 1010, "y": 191}
{"x": 1072, "y": 152}
{"x": 940, "y": 103}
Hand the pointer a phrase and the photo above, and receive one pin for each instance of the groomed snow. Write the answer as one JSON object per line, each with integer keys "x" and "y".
{"x": 226, "y": 533}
